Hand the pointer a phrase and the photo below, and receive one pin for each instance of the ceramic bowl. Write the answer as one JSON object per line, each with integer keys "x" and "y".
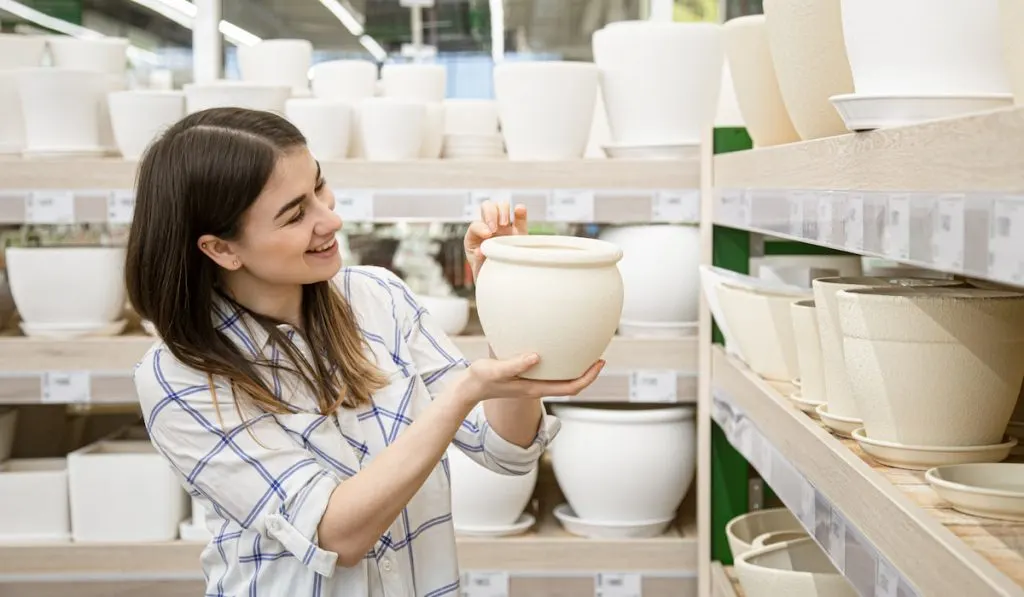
{"x": 795, "y": 569}
{"x": 988, "y": 490}
{"x": 40, "y": 280}
{"x": 139, "y": 116}
{"x": 483, "y": 498}
{"x": 744, "y": 530}
{"x": 450, "y": 312}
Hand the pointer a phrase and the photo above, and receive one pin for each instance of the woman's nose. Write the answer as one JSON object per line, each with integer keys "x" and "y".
{"x": 329, "y": 222}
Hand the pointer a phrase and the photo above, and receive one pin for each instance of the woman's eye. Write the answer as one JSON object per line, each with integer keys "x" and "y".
{"x": 320, "y": 185}
{"x": 298, "y": 216}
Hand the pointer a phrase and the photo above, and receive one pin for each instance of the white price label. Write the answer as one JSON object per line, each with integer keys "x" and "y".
{"x": 477, "y": 198}
{"x": 837, "y": 540}
{"x": 485, "y": 584}
{"x": 897, "y": 226}
{"x": 1006, "y": 240}
{"x": 652, "y": 386}
{"x": 808, "y": 506}
{"x": 887, "y": 579}
{"x": 948, "y": 233}
{"x": 826, "y": 218}
{"x": 676, "y": 206}
{"x": 354, "y": 205}
{"x": 50, "y": 207}
{"x": 765, "y": 457}
{"x": 745, "y": 441}
{"x": 571, "y": 206}
{"x": 120, "y": 207}
{"x": 796, "y": 214}
{"x": 735, "y": 208}
{"x": 610, "y": 584}
{"x": 66, "y": 387}
{"x": 853, "y": 222}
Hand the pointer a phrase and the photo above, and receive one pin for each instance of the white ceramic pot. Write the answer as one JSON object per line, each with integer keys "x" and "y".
{"x": 808, "y": 351}
{"x": 35, "y": 501}
{"x": 238, "y": 94}
{"x": 325, "y": 124}
{"x": 278, "y": 62}
{"x": 648, "y": 252}
{"x": 450, "y": 312}
{"x": 139, "y": 116}
{"x": 838, "y": 394}
{"x": 728, "y": 115}
{"x": 795, "y": 569}
{"x": 624, "y": 465}
{"x": 919, "y": 359}
{"x": 557, "y": 296}
{"x": 12, "y": 122}
{"x": 743, "y": 530}
{"x": 473, "y": 147}
{"x": 660, "y": 81}
{"x": 806, "y": 42}
{"x": 78, "y": 96}
{"x": 41, "y": 279}
{"x": 762, "y": 323}
{"x": 392, "y": 129}
{"x": 470, "y": 117}
{"x": 1011, "y": 21}
{"x": 757, "y": 87}
{"x": 108, "y": 55}
{"x": 422, "y": 82}
{"x": 433, "y": 131}
{"x": 545, "y": 108}
{"x": 351, "y": 81}
{"x": 482, "y": 498}
{"x": 907, "y": 48}
{"x": 21, "y": 51}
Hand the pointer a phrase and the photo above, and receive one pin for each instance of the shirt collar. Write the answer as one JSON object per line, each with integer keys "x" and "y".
{"x": 240, "y": 327}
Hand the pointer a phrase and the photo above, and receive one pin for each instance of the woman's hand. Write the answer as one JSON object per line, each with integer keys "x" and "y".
{"x": 500, "y": 378}
{"x": 495, "y": 220}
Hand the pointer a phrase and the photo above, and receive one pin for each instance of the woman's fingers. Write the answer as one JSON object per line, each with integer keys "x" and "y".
{"x": 520, "y": 219}
{"x": 490, "y": 215}
{"x": 503, "y": 214}
{"x": 479, "y": 230}
{"x": 531, "y": 388}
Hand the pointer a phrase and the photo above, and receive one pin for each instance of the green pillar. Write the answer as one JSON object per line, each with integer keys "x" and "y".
{"x": 65, "y": 10}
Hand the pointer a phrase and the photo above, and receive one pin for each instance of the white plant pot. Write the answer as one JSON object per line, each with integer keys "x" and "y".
{"x": 919, "y": 360}
{"x": 450, "y": 312}
{"x": 347, "y": 80}
{"x": 794, "y": 568}
{"x": 138, "y": 117}
{"x": 647, "y": 253}
{"x": 808, "y": 351}
{"x": 1011, "y": 21}
{"x": 35, "y": 497}
{"x": 660, "y": 81}
{"x": 238, "y": 94}
{"x": 470, "y": 117}
{"x": 762, "y": 324}
{"x": 755, "y": 82}
{"x": 12, "y": 122}
{"x": 421, "y": 82}
{"x": 278, "y": 62}
{"x": 392, "y": 129}
{"x": 482, "y": 498}
{"x": 21, "y": 51}
{"x": 123, "y": 491}
{"x": 743, "y": 530}
{"x": 41, "y": 279}
{"x": 325, "y": 123}
{"x": 557, "y": 296}
{"x": 433, "y": 131}
{"x": 624, "y": 466}
{"x": 78, "y": 96}
{"x": 108, "y": 55}
{"x": 807, "y": 49}
{"x": 546, "y": 108}
{"x": 924, "y": 47}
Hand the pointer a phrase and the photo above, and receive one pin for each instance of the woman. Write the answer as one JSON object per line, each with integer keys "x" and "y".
{"x": 309, "y": 409}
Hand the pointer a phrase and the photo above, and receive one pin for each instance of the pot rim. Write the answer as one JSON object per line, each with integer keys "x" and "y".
{"x": 669, "y": 414}
{"x": 796, "y": 295}
{"x": 566, "y": 65}
{"x": 884, "y": 281}
{"x": 745, "y": 559}
{"x": 940, "y": 293}
{"x": 934, "y": 476}
{"x": 550, "y": 250}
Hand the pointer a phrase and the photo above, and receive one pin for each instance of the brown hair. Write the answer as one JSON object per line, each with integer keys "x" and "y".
{"x": 200, "y": 177}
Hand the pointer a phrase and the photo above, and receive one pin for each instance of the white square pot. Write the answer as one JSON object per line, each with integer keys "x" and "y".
{"x": 123, "y": 491}
{"x": 34, "y": 501}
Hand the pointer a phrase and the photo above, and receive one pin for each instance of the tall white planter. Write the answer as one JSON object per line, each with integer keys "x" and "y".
{"x": 278, "y": 62}
{"x": 21, "y": 51}
{"x": 350, "y": 81}
{"x": 392, "y": 129}
{"x": 16, "y": 51}
{"x": 808, "y": 351}
{"x": 139, "y": 116}
{"x": 42, "y": 278}
{"x": 78, "y": 96}
{"x": 269, "y": 97}
{"x": 325, "y": 123}
{"x": 423, "y": 82}
{"x": 483, "y": 499}
{"x": 108, "y": 55}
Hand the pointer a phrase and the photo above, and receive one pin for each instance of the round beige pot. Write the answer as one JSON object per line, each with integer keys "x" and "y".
{"x": 807, "y": 48}
{"x": 755, "y": 82}
{"x": 1011, "y": 22}
{"x": 763, "y": 325}
{"x": 745, "y": 531}
{"x": 808, "y": 351}
{"x": 837, "y": 385}
{"x": 557, "y": 296}
{"x": 792, "y": 569}
{"x": 933, "y": 366}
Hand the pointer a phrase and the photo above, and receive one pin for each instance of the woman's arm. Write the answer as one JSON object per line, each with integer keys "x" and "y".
{"x": 517, "y": 421}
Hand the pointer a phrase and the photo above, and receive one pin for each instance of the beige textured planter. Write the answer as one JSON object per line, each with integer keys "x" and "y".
{"x": 933, "y": 366}
{"x": 837, "y": 385}
{"x": 806, "y": 41}
{"x": 791, "y": 569}
{"x": 1011, "y": 20}
{"x": 763, "y": 325}
{"x": 755, "y": 82}
{"x": 808, "y": 351}
{"x": 744, "y": 531}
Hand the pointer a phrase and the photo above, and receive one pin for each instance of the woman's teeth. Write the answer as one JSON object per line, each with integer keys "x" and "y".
{"x": 323, "y": 247}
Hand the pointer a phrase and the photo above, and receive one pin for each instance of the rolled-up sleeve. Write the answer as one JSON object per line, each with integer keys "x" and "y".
{"x": 249, "y": 469}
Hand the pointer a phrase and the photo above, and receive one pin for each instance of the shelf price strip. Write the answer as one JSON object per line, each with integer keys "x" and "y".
{"x": 896, "y": 237}
{"x": 65, "y": 387}
{"x": 485, "y": 584}
{"x": 50, "y": 207}
{"x": 120, "y": 207}
{"x": 1006, "y": 240}
{"x": 354, "y": 205}
{"x": 653, "y": 386}
{"x": 608, "y": 584}
{"x": 676, "y": 206}
{"x": 948, "y": 233}
{"x": 570, "y": 205}
{"x": 471, "y": 209}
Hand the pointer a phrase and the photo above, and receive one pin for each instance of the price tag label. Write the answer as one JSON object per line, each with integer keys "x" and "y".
{"x": 837, "y": 540}
{"x": 652, "y": 386}
{"x": 853, "y": 222}
{"x": 485, "y": 584}
{"x": 610, "y": 584}
{"x": 826, "y": 218}
{"x": 676, "y": 206}
{"x": 566, "y": 205}
{"x": 50, "y": 207}
{"x": 887, "y": 579}
{"x": 477, "y": 198}
{"x": 1006, "y": 240}
{"x": 120, "y": 207}
{"x": 808, "y": 507}
{"x": 735, "y": 208}
{"x": 66, "y": 387}
{"x": 796, "y": 213}
{"x": 948, "y": 233}
{"x": 354, "y": 205}
{"x": 765, "y": 456}
{"x": 897, "y": 226}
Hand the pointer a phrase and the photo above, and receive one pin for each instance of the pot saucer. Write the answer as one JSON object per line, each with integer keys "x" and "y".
{"x": 797, "y": 382}
{"x": 868, "y": 112}
{"x": 1016, "y": 429}
{"x": 70, "y": 330}
{"x": 921, "y": 458}
{"x": 988, "y": 490}
{"x": 809, "y": 407}
{"x": 652, "y": 152}
{"x": 524, "y": 523}
{"x": 643, "y": 529}
{"x": 841, "y": 426}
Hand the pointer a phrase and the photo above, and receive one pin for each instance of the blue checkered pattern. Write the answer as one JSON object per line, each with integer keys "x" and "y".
{"x": 266, "y": 479}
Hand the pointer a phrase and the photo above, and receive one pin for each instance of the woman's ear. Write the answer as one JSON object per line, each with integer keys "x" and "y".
{"x": 219, "y": 251}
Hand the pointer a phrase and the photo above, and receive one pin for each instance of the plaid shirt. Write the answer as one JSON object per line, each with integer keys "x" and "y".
{"x": 266, "y": 496}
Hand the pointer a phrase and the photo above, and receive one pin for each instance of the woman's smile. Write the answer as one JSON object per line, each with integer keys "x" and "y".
{"x": 328, "y": 249}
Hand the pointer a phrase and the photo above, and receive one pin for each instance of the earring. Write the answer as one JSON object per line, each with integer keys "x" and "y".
{"x": 235, "y": 263}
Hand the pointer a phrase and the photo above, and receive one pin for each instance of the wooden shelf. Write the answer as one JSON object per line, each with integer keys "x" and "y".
{"x": 891, "y": 518}
{"x": 724, "y": 582}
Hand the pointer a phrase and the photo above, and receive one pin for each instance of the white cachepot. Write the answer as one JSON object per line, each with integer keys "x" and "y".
{"x": 762, "y": 324}
{"x": 449, "y": 312}
{"x": 745, "y": 529}
{"x": 16, "y": 51}
{"x": 422, "y": 82}
{"x": 806, "y": 42}
{"x": 837, "y": 383}
{"x": 483, "y": 499}
{"x": 138, "y": 117}
{"x": 278, "y": 62}
{"x": 348, "y": 80}
{"x": 79, "y": 96}
{"x": 107, "y": 55}
{"x": 755, "y": 82}
{"x": 936, "y": 366}
{"x": 648, "y": 251}
{"x": 391, "y": 128}
{"x": 35, "y": 498}
{"x": 42, "y": 278}
{"x": 1011, "y": 21}
{"x": 624, "y": 465}
{"x": 924, "y": 47}
{"x": 796, "y": 568}
{"x": 252, "y": 95}
{"x": 470, "y": 117}
{"x": 325, "y": 123}
{"x": 545, "y": 108}
{"x": 808, "y": 351}
{"x": 21, "y": 51}
{"x": 557, "y": 296}
{"x": 660, "y": 81}
{"x": 433, "y": 131}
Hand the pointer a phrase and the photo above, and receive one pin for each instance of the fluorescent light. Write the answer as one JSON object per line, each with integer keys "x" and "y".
{"x": 373, "y": 48}
{"x": 184, "y": 12}
{"x": 236, "y": 35}
{"x": 345, "y": 16}
{"x": 497, "y": 30}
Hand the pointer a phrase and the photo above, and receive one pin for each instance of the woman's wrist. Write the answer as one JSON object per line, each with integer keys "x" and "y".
{"x": 465, "y": 391}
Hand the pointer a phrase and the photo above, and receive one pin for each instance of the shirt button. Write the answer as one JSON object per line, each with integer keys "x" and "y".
{"x": 385, "y": 565}
{"x": 274, "y": 525}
